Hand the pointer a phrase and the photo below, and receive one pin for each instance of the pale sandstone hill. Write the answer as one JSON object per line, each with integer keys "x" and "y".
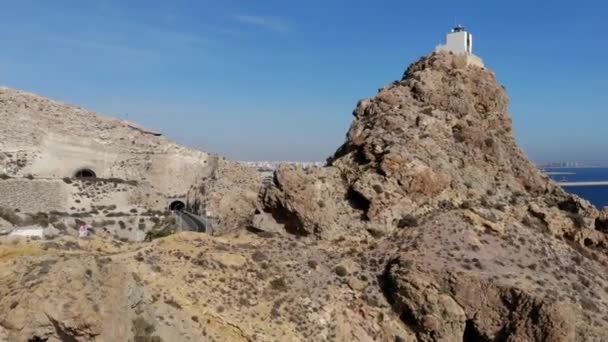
{"x": 49, "y": 138}
{"x": 29, "y": 119}
{"x": 47, "y": 141}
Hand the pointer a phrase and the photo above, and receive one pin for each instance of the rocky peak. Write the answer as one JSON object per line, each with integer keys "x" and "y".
{"x": 431, "y": 168}
{"x": 438, "y": 138}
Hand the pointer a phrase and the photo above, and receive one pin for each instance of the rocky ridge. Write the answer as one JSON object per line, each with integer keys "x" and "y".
{"x": 29, "y": 118}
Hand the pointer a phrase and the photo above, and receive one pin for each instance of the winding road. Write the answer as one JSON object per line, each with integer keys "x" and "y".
{"x": 192, "y": 221}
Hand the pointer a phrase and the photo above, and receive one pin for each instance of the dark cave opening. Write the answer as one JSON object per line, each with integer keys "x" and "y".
{"x": 85, "y": 173}
{"x": 177, "y": 206}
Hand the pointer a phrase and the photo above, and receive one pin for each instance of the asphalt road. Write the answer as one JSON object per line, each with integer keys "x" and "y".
{"x": 193, "y": 222}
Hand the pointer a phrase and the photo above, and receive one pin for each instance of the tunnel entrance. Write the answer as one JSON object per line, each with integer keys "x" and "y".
{"x": 177, "y": 206}
{"x": 85, "y": 173}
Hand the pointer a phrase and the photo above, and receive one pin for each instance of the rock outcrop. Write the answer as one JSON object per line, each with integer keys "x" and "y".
{"x": 484, "y": 246}
{"x": 438, "y": 139}
{"x": 228, "y": 196}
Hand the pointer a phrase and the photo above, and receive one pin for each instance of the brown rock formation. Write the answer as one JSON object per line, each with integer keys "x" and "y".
{"x": 485, "y": 247}
{"x": 439, "y": 138}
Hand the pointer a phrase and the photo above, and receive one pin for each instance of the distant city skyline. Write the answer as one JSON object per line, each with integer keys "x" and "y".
{"x": 278, "y": 80}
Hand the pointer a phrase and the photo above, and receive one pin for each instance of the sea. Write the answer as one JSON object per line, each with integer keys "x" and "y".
{"x": 598, "y": 195}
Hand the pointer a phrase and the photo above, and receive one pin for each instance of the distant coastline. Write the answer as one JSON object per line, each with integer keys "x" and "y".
{"x": 573, "y": 167}
{"x": 568, "y": 165}
{"x": 589, "y": 182}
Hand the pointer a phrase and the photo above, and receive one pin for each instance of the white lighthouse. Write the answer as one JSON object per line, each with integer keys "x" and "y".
{"x": 459, "y": 41}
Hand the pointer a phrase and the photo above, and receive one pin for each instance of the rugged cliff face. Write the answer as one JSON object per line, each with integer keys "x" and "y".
{"x": 486, "y": 246}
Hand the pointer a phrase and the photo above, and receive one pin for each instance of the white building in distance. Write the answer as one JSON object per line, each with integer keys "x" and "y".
{"x": 459, "y": 41}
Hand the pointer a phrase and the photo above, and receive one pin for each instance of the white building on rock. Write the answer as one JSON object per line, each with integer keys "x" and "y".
{"x": 459, "y": 41}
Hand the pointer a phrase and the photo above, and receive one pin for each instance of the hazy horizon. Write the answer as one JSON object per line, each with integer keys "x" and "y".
{"x": 275, "y": 80}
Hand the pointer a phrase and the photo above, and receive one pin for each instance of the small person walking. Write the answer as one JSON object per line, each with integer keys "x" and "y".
{"x": 83, "y": 230}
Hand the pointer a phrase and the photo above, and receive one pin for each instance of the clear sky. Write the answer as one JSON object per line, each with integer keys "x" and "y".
{"x": 278, "y": 79}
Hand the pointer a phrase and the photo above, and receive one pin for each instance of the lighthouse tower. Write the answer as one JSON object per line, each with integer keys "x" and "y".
{"x": 459, "y": 41}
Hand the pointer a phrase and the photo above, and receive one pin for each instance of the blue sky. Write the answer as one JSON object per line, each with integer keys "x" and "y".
{"x": 278, "y": 79}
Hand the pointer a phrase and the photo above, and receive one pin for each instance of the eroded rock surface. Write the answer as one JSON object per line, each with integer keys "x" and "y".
{"x": 484, "y": 247}
{"x": 428, "y": 224}
{"x": 192, "y": 287}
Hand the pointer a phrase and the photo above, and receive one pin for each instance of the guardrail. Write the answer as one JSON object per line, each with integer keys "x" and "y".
{"x": 189, "y": 221}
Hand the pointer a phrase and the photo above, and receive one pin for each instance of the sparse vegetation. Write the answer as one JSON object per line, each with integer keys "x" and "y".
{"x": 104, "y": 223}
{"x": 258, "y": 256}
{"x": 143, "y": 331}
{"x": 117, "y": 214}
{"x": 407, "y": 221}
{"x": 466, "y": 205}
{"x": 279, "y": 284}
{"x": 577, "y": 219}
{"x": 90, "y": 181}
{"x": 158, "y": 233}
{"x": 60, "y": 226}
{"x": 10, "y": 216}
{"x": 341, "y": 271}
